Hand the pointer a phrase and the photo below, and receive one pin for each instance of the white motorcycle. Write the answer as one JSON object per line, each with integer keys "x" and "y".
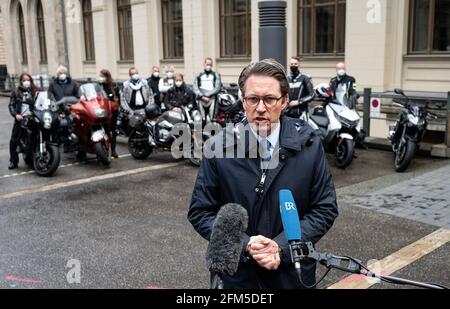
{"x": 337, "y": 125}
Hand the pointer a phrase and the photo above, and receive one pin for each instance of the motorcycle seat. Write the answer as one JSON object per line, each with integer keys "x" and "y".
{"x": 321, "y": 121}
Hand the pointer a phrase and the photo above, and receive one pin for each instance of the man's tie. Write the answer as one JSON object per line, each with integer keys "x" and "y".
{"x": 266, "y": 147}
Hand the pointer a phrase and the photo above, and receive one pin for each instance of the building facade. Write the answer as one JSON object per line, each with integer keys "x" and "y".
{"x": 386, "y": 44}
{"x": 2, "y": 40}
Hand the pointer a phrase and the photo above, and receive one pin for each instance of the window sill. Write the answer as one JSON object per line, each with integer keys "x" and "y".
{"x": 432, "y": 57}
{"x": 323, "y": 58}
{"x": 89, "y": 62}
{"x": 234, "y": 59}
{"x": 125, "y": 62}
{"x": 172, "y": 61}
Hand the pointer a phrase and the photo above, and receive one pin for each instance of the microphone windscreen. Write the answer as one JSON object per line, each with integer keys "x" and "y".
{"x": 227, "y": 240}
{"x": 289, "y": 216}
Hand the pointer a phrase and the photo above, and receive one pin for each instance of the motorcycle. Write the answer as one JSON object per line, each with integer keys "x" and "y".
{"x": 406, "y": 135}
{"x": 92, "y": 123}
{"x": 230, "y": 110}
{"x": 337, "y": 125}
{"x": 152, "y": 130}
{"x": 39, "y": 142}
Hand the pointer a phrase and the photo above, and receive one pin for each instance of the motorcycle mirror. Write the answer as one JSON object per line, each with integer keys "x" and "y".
{"x": 400, "y": 92}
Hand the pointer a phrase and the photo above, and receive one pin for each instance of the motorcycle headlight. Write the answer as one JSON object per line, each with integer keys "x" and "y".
{"x": 54, "y": 107}
{"x": 100, "y": 112}
{"x": 413, "y": 119}
{"x": 47, "y": 119}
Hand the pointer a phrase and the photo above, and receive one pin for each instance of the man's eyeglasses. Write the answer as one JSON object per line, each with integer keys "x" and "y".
{"x": 269, "y": 101}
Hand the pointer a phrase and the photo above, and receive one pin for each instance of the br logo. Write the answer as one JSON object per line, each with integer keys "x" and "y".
{"x": 289, "y": 206}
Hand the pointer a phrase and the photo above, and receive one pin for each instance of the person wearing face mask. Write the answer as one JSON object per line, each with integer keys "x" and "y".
{"x": 167, "y": 83}
{"x": 207, "y": 85}
{"x": 153, "y": 82}
{"x": 179, "y": 96}
{"x": 111, "y": 92}
{"x": 301, "y": 90}
{"x": 63, "y": 85}
{"x": 344, "y": 86}
{"x": 20, "y": 105}
{"x": 136, "y": 93}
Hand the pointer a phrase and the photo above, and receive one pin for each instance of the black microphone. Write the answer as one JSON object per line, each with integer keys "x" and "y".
{"x": 226, "y": 243}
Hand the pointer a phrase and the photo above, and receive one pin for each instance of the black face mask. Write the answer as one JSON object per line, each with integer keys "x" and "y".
{"x": 295, "y": 70}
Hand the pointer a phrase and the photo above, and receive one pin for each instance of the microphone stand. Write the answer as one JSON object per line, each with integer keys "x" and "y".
{"x": 301, "y": 251}
{"x": 216, "y": 282}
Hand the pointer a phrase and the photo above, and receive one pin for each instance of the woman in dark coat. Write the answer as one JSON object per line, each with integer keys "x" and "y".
{"x": 112, "y": 93}
{"x": 20, "y": 106}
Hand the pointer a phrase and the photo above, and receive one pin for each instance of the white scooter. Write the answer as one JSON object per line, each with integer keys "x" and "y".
{"x": 337, "y": 125}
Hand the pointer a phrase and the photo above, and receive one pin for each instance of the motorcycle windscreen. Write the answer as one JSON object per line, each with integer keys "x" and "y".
{"x": 89, "y": 92}
{"x": 43, "y": 102}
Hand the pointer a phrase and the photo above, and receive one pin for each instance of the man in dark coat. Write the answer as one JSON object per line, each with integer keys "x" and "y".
{"x": 63, "y": 85}
{"x": 297, "y": 162}
{"x": 153, "y": 82}
{"x": 344, "y": 86}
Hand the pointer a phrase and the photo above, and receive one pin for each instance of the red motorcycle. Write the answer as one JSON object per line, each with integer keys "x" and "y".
{"x": 92, "y": 123}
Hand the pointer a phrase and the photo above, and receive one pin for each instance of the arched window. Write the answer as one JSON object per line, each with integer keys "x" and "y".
{"x": 23, "y": 40}
{"x": 125, "y": 19}
{"x": 41, "y": 32}
{"x": 88, "y": 28}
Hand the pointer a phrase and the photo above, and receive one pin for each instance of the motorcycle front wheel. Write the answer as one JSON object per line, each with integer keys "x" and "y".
{"x": 404, "y": 156}
{"x": 46, "y": 164}
{"x": 345, "y": 153}
{"x": 102, "y": 154}
{"x": 139, "y": 146}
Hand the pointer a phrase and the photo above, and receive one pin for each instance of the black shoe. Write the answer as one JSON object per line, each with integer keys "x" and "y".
{"x": 115, "y": 155}
{"x": 13, "y": 166}
{"x": 81, "y": 155}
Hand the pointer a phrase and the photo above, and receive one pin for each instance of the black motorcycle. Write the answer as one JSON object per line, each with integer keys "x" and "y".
{"x": 40, "y": 139}
{"x": 406, "y": 135}
{"x": 150, "y": 129}
{"x": 230, "y": 109}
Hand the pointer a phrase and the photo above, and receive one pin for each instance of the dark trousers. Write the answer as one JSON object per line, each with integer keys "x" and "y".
{"x": 14, "y": 142}
{"x": 114, "y": 119}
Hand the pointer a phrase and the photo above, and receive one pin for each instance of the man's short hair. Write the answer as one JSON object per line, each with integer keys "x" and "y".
{"x": 132, "y": 69}
{"x": 295, "y": 58}
{"x": 210, "y": 59}
{"x": 61, "y": 70}
{"x": 267, "y": 67}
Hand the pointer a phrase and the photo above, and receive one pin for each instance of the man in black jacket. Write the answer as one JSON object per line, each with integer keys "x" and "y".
{"x": 301, "y": 90}
{"x": 292, "y": 158}
{"x": 344, "y": 86}
{"x": 153, "y": 82}
{"x": 63, "y": 85}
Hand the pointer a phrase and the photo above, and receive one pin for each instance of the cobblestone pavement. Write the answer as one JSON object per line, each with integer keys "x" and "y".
{"x": 425, "y": 198}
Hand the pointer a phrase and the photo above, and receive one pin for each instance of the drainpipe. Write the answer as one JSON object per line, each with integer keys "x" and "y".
{"x": 66, "y": 48}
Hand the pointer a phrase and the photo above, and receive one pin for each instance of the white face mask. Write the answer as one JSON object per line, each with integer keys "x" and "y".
{"x": 101, "y": 80}
{"x": 156, "y": 74}
{"x": 62, "y": 77}
{"x": 208, "y": 68}
{"x": 341, "y": 72}
{"x": 135, "y": 77}
{"x": 26, "y": 84}
{"x": 178, "y": 84}
{"x": 170, "y": 74}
